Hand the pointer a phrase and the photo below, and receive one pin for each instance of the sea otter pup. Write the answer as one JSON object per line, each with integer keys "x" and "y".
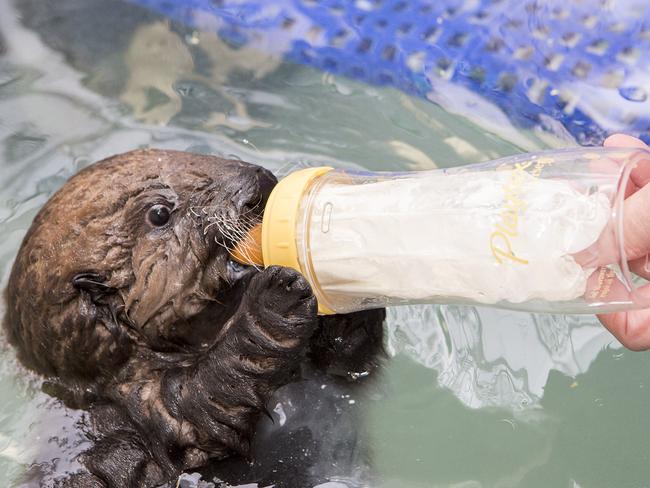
{"x": 124, "y": 296}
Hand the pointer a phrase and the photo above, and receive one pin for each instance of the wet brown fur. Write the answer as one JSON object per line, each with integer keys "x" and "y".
{"x": 172, "y": 349}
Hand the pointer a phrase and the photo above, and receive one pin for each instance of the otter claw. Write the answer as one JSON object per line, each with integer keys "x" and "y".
{"x": 284, "y": 292}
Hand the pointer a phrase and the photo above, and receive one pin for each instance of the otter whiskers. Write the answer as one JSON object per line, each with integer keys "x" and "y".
{"x": 232, "y": 232}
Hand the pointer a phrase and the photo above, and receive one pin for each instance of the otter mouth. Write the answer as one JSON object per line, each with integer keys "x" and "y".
{"x": 238, "y": 270}
{"x": 221, "y": 235}
{"x": 245, "y": 255}
{"x": 234, "y": 239}
{"x": 245, "y": 238}
{"x": 235, "y": 227}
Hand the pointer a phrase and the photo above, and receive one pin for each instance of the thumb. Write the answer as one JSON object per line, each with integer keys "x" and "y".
{"x": 636, "y": 209}
{"x": 636, "y": 224}
{"x": 631, "y": 328}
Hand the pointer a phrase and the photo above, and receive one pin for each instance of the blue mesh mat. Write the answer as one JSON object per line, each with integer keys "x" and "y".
{"x": 585, "y": 63}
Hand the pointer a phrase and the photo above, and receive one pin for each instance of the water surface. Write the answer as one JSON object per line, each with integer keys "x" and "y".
{"x": 470, "y": 397}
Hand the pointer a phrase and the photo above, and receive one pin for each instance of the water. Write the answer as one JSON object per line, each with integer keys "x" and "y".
{"x": 470, "y": 398}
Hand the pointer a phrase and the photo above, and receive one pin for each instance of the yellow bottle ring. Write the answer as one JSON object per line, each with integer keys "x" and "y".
{"x": 281, "y": 219}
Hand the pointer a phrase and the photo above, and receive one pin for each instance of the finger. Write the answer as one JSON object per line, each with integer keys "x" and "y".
{"x": 623, "y": 140}
{"x": 604, "y": 286}
{"x": 602, "y": 252}
{"x": 611, "y": 166}
{"x": 636, "y": 231}
{"x": 640, "y": 175}
{"x": 636, "y": 236}
{"x": 632, "y": 329}
{"x": 641, "y": 266}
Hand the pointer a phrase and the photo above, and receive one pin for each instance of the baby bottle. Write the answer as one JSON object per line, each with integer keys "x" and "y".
{"x": 537, "y": 232}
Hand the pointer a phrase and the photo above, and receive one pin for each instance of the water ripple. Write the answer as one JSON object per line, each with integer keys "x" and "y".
{"x": 489, "y": 357}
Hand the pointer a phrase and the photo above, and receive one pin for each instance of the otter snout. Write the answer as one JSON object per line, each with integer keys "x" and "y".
{"x": 255, "y": 191}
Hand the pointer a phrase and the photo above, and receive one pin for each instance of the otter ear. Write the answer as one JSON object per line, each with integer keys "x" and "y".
{"x": 93, "y": 284}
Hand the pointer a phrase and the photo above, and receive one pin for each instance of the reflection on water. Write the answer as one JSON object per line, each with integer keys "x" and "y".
{"x": 156, "y": 91}
{"x": 471, "y": 397}
{"x": 496, "y": 358}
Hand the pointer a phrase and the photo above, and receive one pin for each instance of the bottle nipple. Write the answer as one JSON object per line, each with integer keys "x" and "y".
{"x": 249, "y": 249}
{"x": 274, "y": 241}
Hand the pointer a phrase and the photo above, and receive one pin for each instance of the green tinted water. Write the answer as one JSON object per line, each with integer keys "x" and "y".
{"x": 470, "y": 398}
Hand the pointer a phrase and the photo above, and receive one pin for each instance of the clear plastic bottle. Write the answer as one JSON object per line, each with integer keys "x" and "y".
{"x": 538, "y": 232}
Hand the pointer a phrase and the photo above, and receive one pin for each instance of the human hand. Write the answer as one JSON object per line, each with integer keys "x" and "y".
{"x": 632, "y": 328}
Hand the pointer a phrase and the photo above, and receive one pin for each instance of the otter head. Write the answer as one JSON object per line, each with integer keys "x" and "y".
{"x": 132, "y": 252}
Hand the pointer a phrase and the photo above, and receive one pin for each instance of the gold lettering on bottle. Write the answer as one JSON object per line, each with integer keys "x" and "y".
{"x": 513, "y": 208}
{"x": 502, "y": 248}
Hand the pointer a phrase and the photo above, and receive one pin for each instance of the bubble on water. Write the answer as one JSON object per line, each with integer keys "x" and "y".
{"x": 193, "y": 38}
{"x": 355, "y": 375}
{"x": 633, "y": 93}
{"x": 282, "y": 416}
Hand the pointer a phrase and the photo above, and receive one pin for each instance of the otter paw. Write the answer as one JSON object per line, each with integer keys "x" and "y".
{"x": 282, "y": 292}
{"x": 79, "y": 480}
{"x": 349, "y": 345}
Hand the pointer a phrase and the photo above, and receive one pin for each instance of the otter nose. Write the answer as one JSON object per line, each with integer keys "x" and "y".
{"x": 258, "y": 188}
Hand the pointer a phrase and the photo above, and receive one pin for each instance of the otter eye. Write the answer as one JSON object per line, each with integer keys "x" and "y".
{"x": 158, "y": 215}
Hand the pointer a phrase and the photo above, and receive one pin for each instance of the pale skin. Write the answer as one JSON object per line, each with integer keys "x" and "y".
{"x": 632, "y": 328}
